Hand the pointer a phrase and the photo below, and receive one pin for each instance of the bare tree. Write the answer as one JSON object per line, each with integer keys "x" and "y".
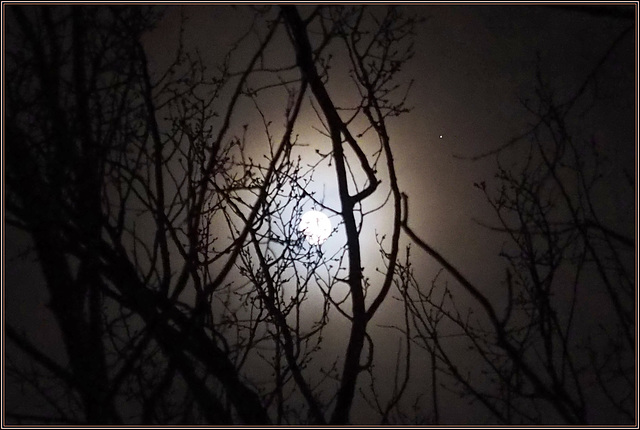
{"x": 169, "y": 250}
{"x": 185, "y": 292}
{"x": 542, "y": 354}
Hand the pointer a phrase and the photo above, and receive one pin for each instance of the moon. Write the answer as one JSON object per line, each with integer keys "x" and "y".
{"x": 316, "y": 226}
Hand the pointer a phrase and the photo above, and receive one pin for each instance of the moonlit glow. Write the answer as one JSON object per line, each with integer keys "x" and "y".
{"x": 316, "y": 226}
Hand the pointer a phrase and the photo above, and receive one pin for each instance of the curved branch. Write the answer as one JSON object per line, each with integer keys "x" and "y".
{"x": 556, "y": 395}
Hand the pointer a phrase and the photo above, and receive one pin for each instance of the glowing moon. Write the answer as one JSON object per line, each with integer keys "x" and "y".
{"x": 316, "y": 226}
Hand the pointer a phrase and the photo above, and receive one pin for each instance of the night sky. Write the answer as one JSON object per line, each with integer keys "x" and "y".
{"x": 474, "y": 65}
